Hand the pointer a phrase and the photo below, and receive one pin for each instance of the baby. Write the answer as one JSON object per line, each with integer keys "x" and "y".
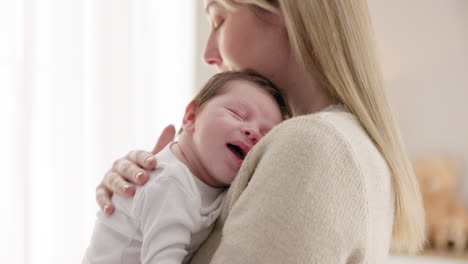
{"x": 169, "y": 217}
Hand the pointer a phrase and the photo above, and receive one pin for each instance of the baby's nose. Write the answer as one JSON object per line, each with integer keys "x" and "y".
{"x": 252, "y": 134}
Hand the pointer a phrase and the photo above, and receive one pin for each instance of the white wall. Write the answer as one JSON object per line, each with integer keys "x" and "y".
{"x": 423, "y": 45}
{"x": 424, "y": 53}
{"x": 202, "y": 70}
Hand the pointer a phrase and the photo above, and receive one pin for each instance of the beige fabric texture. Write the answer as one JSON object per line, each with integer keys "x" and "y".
{"x": 313, "y": 190}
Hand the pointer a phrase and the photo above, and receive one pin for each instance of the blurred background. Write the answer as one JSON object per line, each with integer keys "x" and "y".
{"x": 84, "y": 82}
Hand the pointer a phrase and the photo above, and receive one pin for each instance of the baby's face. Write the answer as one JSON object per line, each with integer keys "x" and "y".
{"x": 230, "y": 124}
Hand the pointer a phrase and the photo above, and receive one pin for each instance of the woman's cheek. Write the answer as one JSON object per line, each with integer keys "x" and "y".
{"x": 229, "y": 49}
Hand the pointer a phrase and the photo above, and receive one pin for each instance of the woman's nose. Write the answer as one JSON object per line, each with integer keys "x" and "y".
{"x": 211, "y": 55}
{"x": 252, "y": 134}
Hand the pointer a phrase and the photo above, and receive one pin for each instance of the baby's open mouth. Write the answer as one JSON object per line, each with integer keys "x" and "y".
{"x": 237, "y": 151}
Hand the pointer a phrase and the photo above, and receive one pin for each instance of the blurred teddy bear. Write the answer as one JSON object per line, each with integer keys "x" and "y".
{"x": 446, "y": 217}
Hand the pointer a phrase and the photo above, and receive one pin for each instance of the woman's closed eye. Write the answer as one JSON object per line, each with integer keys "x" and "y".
{"x": 217, "y": 14}
{"x": 217, "y": 23}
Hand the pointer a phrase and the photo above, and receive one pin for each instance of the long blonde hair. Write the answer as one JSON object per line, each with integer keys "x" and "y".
{"x": 333, "y": 41}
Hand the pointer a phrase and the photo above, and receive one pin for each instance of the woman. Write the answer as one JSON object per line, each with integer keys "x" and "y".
{"x": 331, "y": 185}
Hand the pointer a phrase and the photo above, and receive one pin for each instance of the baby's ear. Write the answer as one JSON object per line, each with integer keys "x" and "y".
{"x": 188, "y": 124}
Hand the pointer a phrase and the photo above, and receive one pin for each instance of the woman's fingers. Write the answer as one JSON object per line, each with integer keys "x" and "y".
{"x": 115, "y": 183}
{"x": 103, "y": 197}
{"x": 143, "y": 159}
{"x": 127, "y": 170}
{"x": 165, "y": 138}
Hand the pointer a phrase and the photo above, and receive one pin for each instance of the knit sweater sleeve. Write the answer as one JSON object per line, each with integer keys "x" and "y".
{"x": 305, "y": 201}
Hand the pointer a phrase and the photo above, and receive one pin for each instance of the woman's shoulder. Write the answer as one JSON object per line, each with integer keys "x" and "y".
{"x": 330, "y": 138}
{"x": 335, "y": 131}
{"x": 335, "y": 121}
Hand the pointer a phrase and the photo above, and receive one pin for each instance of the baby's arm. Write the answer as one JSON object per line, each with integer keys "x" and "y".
{"x": 167, "y": 216}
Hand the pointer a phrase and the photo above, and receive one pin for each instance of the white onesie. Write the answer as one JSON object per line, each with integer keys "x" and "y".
{"x": 164, "y": 222}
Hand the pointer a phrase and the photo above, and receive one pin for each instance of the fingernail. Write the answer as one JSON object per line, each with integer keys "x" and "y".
{"x": 138, "y": 175}
{"x": 125, "y": 187}
{"x": 149, "y": 160}
{"x": 106, "y": 207}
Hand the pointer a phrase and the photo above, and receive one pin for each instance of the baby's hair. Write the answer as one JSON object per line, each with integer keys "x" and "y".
{"x": 217, "y": 83}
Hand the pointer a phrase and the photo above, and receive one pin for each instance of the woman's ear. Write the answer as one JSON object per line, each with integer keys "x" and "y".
{"x": 188, "y": 123}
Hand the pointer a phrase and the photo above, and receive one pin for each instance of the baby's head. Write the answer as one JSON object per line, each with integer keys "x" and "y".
{"x": 227, "y": 117}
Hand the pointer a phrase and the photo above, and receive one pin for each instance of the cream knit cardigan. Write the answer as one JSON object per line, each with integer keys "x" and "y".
{"x": 314, "y": 190}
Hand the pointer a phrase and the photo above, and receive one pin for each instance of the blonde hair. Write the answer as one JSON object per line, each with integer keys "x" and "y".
{"x": 333, "y": 41}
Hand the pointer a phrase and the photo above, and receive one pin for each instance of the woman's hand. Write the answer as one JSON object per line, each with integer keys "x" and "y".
{"x": 130, "y": 170}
